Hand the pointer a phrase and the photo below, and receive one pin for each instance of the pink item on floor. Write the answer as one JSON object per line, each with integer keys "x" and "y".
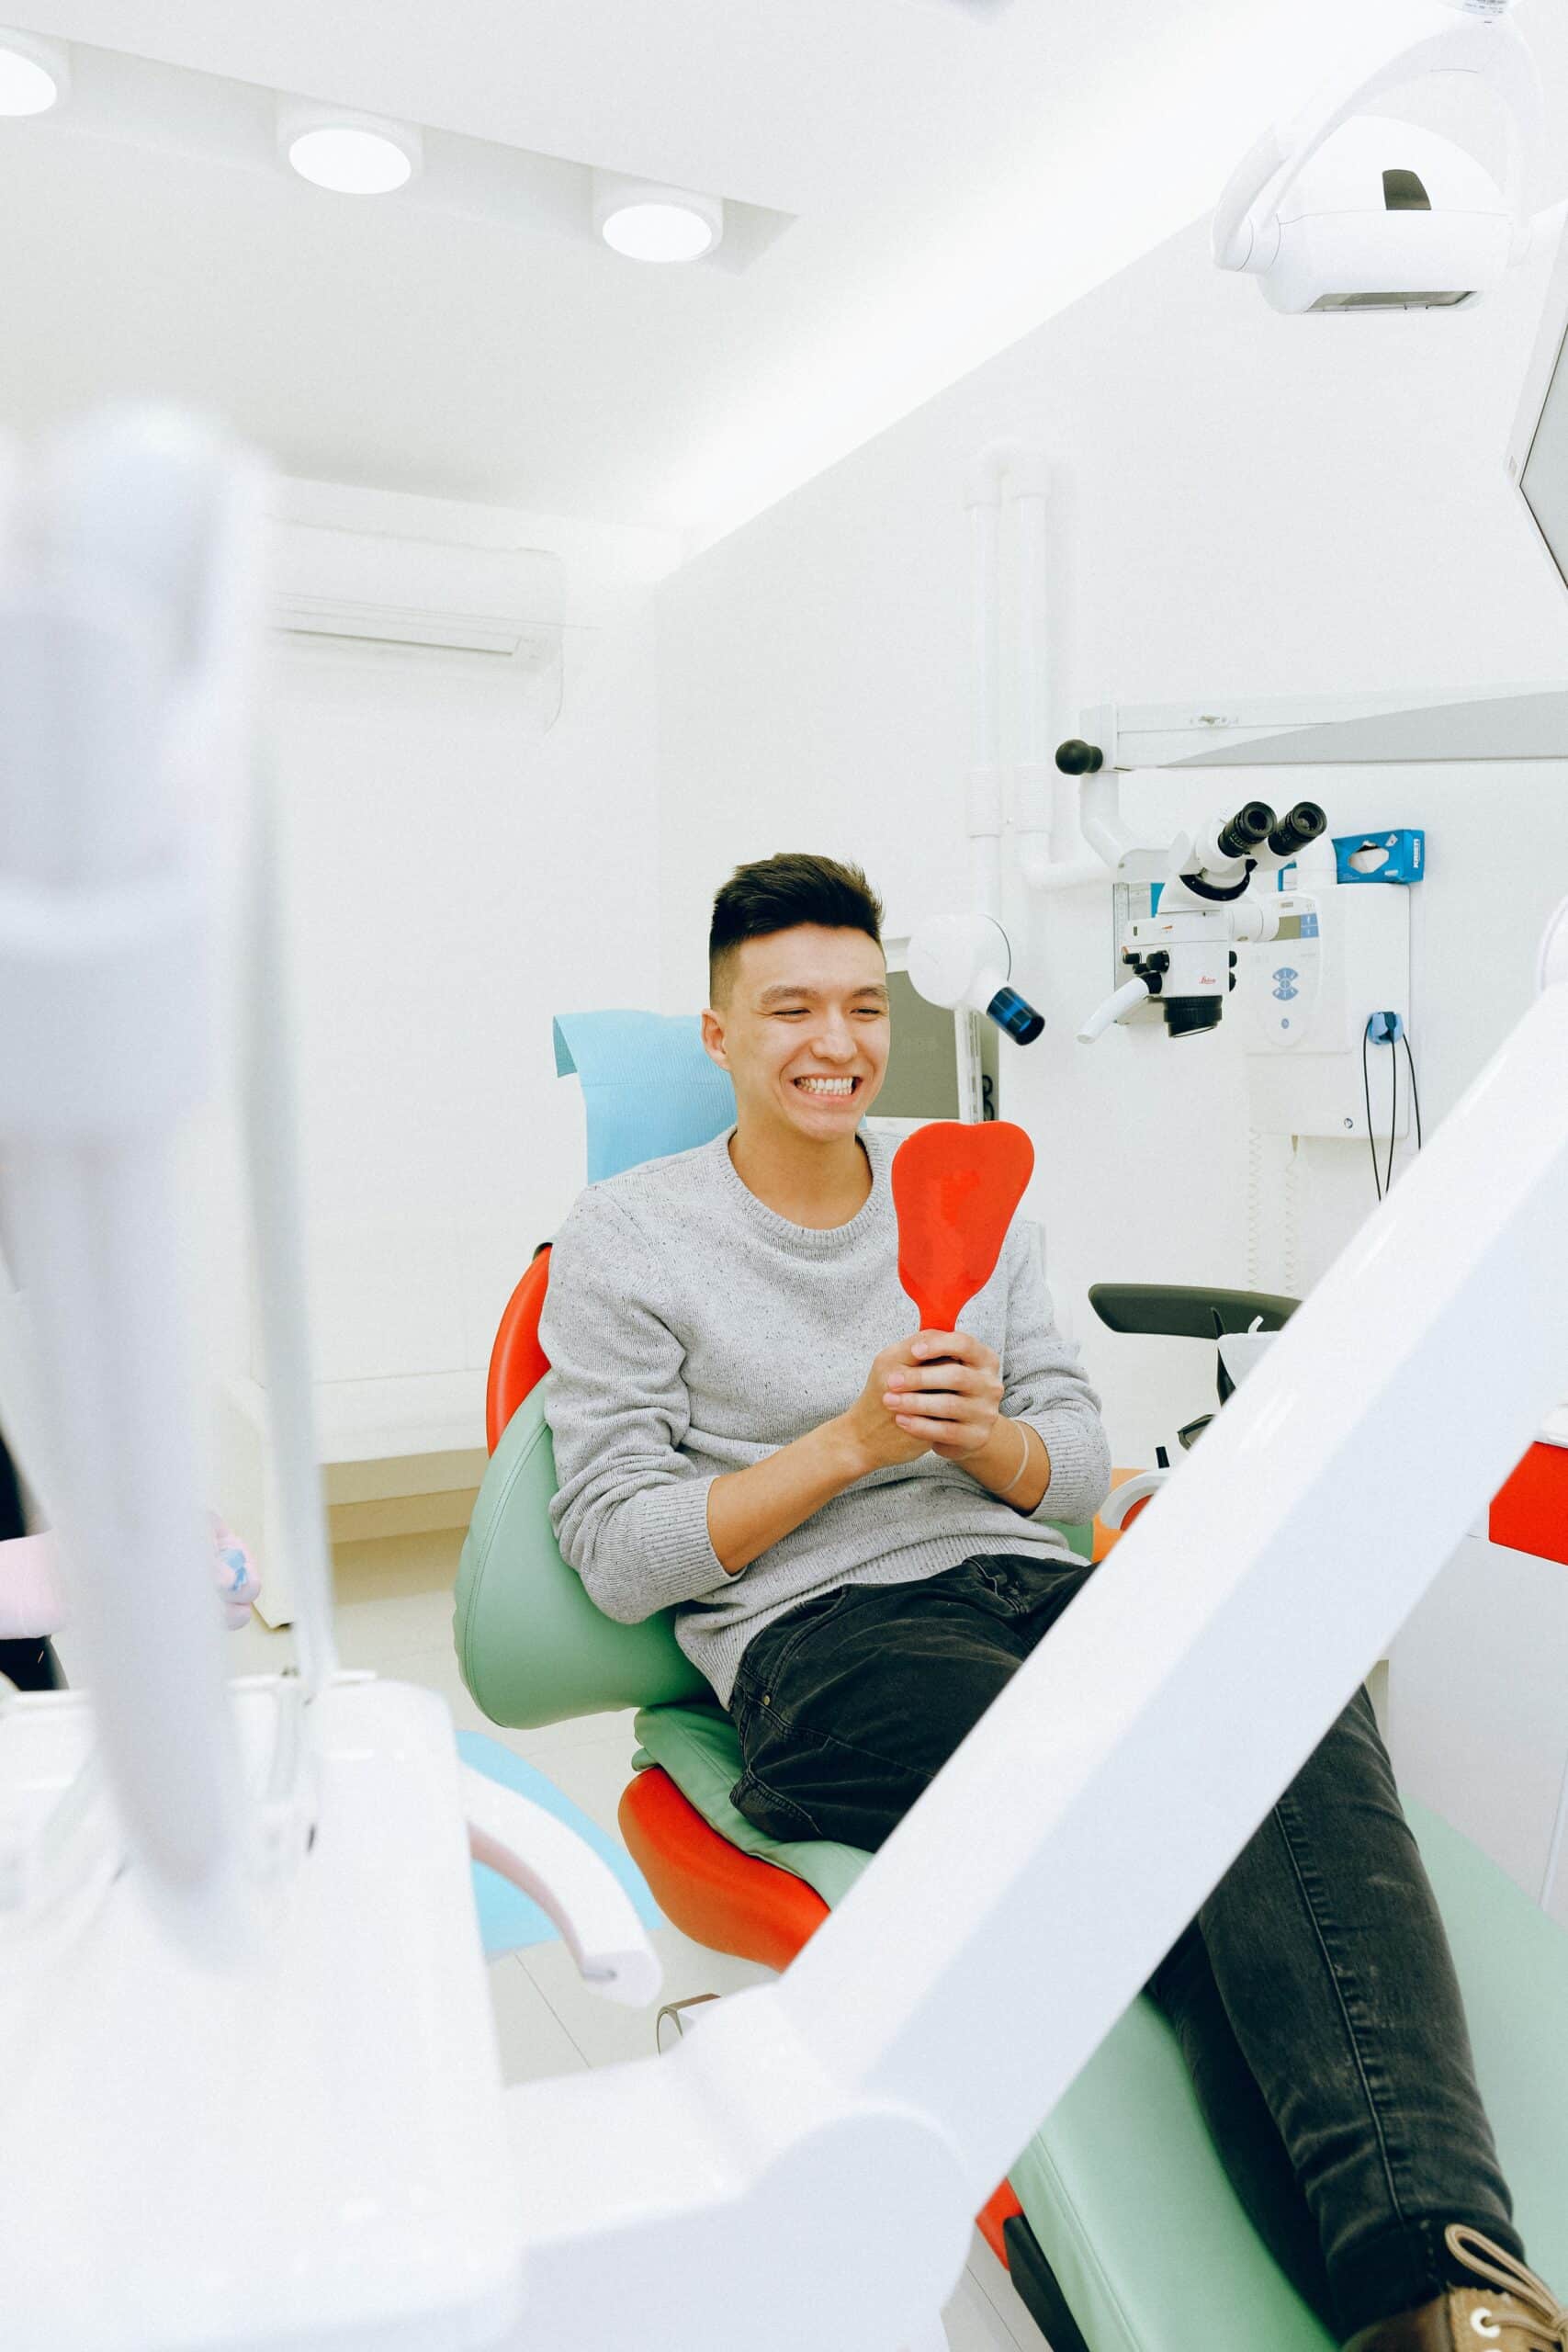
{"x": 237, "y": 1578}
{"x": 32, "y": 1598}
{"x": 32, "y": 1594}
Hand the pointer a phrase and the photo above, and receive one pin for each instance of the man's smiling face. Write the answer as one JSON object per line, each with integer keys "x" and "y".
{"x": 804, "y": 1030}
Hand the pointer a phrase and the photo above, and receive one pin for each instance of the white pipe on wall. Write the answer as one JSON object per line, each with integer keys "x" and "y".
{"x": 984, "y": 813}
{"x": 1052, "y": 851}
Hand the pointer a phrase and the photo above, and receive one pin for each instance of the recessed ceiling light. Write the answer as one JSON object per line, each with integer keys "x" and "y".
{"x": 352, "y": 155}
{"x": 648, "y": 222}
{"x": 34, "y": 74}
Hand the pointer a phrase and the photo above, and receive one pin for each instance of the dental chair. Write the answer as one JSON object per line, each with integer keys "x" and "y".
{"x": 1117, "y": 2223}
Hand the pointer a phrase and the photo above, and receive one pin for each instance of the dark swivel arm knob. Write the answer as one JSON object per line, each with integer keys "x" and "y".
{"x": 1079, "y": 759}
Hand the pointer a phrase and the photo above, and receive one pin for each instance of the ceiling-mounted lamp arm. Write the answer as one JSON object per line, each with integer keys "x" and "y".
{"x": 1246, "y": 233}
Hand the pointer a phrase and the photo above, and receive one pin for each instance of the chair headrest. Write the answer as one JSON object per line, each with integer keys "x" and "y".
{"x": 648, "y": 1086}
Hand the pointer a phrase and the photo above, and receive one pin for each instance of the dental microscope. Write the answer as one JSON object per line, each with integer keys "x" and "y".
{"x": 1183, "y": 955}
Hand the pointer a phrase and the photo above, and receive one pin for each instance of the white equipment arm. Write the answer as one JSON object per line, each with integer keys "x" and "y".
{"x": 540, "y": 1856}
{"x": 117, "y": 623}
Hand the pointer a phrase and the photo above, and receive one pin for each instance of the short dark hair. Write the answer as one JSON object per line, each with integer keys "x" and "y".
{"x": 776, "y": 893}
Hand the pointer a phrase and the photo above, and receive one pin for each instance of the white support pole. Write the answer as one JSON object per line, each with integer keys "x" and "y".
{"x": 983, "y": 812}
{"x": 122, "y": 630}
{"x": 275, "y": 1189}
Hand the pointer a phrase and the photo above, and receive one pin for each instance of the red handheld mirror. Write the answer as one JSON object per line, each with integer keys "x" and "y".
{"x": 956, "y": 1188}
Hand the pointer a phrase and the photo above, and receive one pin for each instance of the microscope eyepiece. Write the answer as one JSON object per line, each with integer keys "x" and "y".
{"x": 1250, "y": 825}
{"x": 1305, "y": 823}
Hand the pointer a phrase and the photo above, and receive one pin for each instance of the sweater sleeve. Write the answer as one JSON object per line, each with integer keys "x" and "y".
{"x": 1043, "y": 1384}
{"x": 630, "y": 1511}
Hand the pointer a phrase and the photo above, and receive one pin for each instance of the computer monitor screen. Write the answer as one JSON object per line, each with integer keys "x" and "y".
{"x": 922, "y": 1069}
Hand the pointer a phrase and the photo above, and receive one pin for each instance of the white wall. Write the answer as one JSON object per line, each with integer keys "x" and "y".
{"x": 1245, "y": 505}
{"x": 452, "y": 880}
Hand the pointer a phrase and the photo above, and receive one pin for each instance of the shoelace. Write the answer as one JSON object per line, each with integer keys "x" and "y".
{"x": 1541, "y": 2313}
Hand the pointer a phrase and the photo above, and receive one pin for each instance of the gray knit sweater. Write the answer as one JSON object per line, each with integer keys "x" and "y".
{"x": 692, "y": 1331}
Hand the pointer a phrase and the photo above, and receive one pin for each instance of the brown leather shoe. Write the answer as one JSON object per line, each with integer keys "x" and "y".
{"x": 1514, "y": 2311}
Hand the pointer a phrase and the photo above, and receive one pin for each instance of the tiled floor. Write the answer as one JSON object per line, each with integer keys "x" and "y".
{"x": 394, "y": 1614}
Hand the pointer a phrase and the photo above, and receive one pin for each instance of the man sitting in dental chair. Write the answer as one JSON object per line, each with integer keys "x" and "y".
{"x": 858, "y": 1526}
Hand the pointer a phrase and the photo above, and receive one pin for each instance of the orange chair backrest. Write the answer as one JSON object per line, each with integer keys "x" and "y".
{"x": 517, "y": 1361}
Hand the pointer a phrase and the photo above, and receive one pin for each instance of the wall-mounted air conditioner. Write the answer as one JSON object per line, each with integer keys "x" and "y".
{"x": 375, "y": 596}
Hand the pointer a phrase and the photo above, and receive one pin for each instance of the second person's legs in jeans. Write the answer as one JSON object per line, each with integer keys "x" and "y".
{"x": 1314, "y": 1995}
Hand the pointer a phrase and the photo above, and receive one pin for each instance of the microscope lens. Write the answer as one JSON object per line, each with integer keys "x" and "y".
{"x": 1016, "y": 1015}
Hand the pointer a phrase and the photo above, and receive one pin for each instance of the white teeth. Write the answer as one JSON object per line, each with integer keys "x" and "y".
{"x": 826, "y": 1085}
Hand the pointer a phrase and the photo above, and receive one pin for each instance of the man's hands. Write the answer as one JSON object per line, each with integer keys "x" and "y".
{"x": 937, "y": 1392}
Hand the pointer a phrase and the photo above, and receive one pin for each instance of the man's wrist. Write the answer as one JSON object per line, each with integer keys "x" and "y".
{"x": 1007, "y": 1465}
{"x": 843, "y": 1455}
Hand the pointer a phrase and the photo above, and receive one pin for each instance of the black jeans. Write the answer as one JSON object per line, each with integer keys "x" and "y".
{"x": 1313, "y": 1995}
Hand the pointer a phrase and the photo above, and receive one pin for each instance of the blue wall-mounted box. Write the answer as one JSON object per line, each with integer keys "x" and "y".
{"x": 1398, "y": 856}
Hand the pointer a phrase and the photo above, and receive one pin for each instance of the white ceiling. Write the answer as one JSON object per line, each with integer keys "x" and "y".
{"x": 956, "y": 173}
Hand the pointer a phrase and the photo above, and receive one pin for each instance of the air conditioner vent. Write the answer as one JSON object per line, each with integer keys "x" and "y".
{"x": 393, "y": 629}
{"x": 361, "y": 592}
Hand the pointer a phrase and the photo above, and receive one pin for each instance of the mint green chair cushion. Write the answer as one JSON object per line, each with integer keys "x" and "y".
{"x": 1122, "y": 2186}
{"x": 531, "y": 1647}
{"x": 698, "y": 1748}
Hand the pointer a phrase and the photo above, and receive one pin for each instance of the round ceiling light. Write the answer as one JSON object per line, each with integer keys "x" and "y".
{"x": 648, "y": 222}
{"x": 34, "y": 74}
{"x": 351, "y": 154}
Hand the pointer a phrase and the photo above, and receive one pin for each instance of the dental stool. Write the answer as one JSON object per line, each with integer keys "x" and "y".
{"x": 1117, "y": 2223}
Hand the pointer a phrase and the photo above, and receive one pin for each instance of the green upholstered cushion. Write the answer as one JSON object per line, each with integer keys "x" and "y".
{"x": 1122, "y": 2185}
{"x": 532, "y": 1646}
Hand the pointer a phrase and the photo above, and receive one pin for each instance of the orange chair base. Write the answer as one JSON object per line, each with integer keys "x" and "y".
{"x": 733, "y": 1903}
{"x": 710, "y": 1890}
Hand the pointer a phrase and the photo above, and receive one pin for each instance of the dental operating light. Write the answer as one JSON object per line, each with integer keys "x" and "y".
{"x": 1339, "y": 208}
{"x": 963, "y": 962}
{"x": 34, "y": 74}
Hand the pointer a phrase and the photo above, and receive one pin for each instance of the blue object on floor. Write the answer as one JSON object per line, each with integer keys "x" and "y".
{"x": 510, "y": 1921}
